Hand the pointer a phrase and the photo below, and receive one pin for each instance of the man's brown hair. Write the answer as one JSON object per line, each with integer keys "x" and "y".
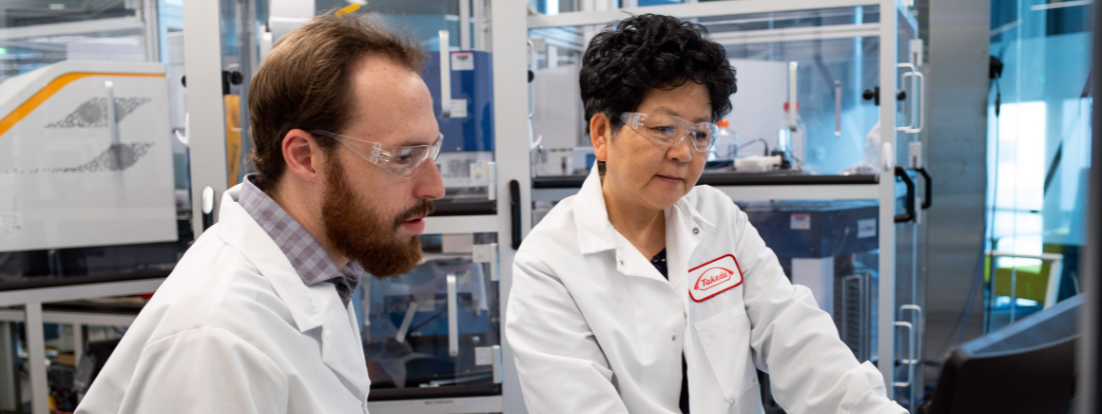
{"x": 305, "y": 83}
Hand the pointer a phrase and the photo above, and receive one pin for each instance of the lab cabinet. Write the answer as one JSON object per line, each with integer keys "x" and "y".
{"x": 830, "y": 247}
{"x": 434, "y": 331}
{"x": 849, "y": 70}
{"x": 805, "y": 105}
{"x": 467, "y": 123}
{"x": 821, "y": 149}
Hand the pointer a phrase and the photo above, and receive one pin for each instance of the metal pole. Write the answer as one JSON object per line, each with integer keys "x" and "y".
{"x": 36, "y": 359}
{"x": 464, "y": 25}
{"x": 78, "y": 342}
{"x": 1091, "y": 323}
{"x": 9, "y": 399}
{"x": 205, "y": 105}
{"x": 509, "y": 34}
{"x": 886, "y": 321}
{"x": 151, "y": 33}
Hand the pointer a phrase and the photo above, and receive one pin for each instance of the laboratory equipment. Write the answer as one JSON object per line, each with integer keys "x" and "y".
{"x": 434, "y": 331}
{"x": 726, "y": 146}
{"x": 86, "y": 156}
{"x": 463, "y": 104}
{"x": 827, "y": 246}
{"x": 1026, "y": 367}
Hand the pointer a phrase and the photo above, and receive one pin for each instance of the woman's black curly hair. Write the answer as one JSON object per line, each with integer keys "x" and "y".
{"x": 652, "y": 51}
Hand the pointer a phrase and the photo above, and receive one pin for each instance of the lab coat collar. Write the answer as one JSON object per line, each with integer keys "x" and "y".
{"x": 595, "y": 232}
{"x": 340, "y": 341}
{"x": 686, "y": 228}
{"x": 310, "y": 307}
{"x": 686, "y": 207}
{"x": 239, "y": 230}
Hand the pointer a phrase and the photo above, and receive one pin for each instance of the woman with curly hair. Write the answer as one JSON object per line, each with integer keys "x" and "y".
{"x": 645, "y": 293}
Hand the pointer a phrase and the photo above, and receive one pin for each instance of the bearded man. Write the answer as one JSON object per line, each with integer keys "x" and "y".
{"x": 255, "y": 318}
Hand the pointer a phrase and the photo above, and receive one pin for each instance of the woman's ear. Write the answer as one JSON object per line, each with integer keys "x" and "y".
{"x": 600, "y": 134}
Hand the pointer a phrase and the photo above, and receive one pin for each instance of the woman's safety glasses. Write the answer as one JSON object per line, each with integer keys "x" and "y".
{"x": 671, "y": 130}
{"x": 400, "y": 161}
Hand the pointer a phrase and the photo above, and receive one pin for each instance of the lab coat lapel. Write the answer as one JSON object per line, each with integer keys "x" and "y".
{"x": 595, "y": 232}
{"x": 340, "y": 340}
{"x": 239, "y": 230}
{"x": 310, "y": 307}
{"x": 686, "y": 228}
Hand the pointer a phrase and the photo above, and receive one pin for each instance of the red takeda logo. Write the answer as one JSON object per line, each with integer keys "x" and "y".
{"x": 712, "y": 278}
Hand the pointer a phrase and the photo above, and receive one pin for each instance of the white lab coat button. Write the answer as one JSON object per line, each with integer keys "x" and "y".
{"x": 696, "y": 230}
{"x": 674, "y": 338}
{"x": 621, "y": 263}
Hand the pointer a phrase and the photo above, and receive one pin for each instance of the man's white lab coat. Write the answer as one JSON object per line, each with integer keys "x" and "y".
{"x": 235, "y": 330}
{"x": 595, "y": 328}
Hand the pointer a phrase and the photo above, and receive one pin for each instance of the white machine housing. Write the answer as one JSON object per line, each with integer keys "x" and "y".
{"x": 68, "y": 177}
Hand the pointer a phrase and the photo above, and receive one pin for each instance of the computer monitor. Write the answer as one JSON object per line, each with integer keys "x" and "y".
{"x": 1026, "y": 367}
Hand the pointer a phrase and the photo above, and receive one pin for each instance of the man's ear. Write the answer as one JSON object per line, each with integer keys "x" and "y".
{"x": 600, "y": 134}
{"x": 302, "y": 154}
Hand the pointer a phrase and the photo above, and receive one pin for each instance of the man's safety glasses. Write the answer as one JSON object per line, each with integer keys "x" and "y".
{"x": 671, "y": 130}
{"x": 400, "y": 161}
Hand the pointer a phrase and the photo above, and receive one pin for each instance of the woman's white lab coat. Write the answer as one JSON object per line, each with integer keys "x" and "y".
{"x": 595, "y": 328}
{"x": 235, "y": 330}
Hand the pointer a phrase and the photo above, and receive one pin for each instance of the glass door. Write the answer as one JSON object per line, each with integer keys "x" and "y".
{"x": 436, "y": 331}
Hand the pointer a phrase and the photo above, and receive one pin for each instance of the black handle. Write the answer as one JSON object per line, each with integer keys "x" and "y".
{"x": 928, "y": 196}
{"x": 206, "y": 207}
{"x": 514, "y": 211}
{"x": 874, "y": 95}
{"x": 901, "y": 173}
{"x": 208, "y": 220}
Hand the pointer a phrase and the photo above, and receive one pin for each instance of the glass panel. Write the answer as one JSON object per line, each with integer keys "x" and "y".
{"x": 1039, "y": 145}
{"x": 469, "y": 130}
{"x": 836, "y": 53}
{"x": 85, "y": 197}
{"x": 909, "y": 286}
{"x": 832, "y": 247}
{"x": 406, "y": 330}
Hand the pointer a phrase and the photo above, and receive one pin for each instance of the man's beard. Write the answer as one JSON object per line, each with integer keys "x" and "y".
{"x": 361, "y": 233}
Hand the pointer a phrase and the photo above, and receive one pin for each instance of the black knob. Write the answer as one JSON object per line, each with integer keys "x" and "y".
{"x": 183, "y": 80}
{"x": 900, "y": 95}
{"x": 868, "y": 94}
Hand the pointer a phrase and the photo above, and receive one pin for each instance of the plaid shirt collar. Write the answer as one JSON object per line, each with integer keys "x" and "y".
{"x": 310, "y": 260}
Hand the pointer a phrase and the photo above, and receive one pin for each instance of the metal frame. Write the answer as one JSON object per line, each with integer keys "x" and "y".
{"x": 886, "y": 295}
{"x": 509, "y": 34}
{"x": 32, "y": 300}
{"x": 840, "y": 31}
{"x": 76, "y": 292}
{"x": 802, "y": 192}
{"x": 61, "y": 29}
{"x": 151, "y": 35}
{"x": 9, "y": 394}
{"x": 461, "y": 224}
{"x": 77, "y": 319}
{"x": 1091, "y": 321}
{"x": 1054, "y": 272}
{"x": 438, "y": 406}
{"x": 890, "y": 13}
{"x": 691, "y": 10}
{"x": 206, "y": 127}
